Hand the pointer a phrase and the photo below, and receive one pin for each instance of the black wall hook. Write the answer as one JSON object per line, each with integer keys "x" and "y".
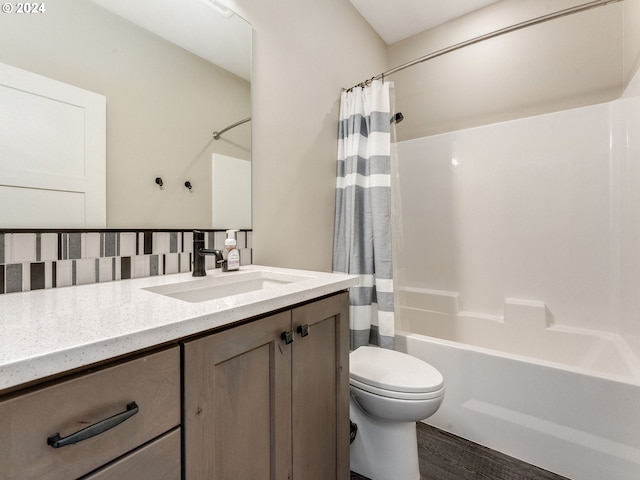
{"x": 188, "y": 185}
{"x": 159, "y": 182}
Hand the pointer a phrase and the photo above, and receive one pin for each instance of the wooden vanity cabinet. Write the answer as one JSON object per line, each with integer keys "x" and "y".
{"x": 269, "y": 399}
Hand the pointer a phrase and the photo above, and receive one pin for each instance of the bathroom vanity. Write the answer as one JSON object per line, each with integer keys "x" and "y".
{"x": 250, "y": 384}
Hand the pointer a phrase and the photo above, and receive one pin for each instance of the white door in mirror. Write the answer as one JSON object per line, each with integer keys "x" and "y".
{"x": 52, "y": 153}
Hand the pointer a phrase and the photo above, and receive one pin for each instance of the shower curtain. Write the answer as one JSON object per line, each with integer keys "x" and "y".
{"x": 362, "y": 235}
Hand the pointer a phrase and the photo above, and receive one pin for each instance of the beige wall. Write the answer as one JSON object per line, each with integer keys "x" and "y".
{"x": 163, "y": 103}
{"x": 565, "y": 63}
{"x": 305, "y": 51}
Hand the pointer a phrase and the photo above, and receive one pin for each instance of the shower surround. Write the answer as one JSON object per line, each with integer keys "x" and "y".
{"x": 522, "y": 238}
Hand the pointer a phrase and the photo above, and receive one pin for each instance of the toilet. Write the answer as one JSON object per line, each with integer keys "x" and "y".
{"x": 390, "y": 392}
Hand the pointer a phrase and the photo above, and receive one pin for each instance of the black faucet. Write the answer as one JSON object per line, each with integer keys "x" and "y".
{"x": 199, "y": 253}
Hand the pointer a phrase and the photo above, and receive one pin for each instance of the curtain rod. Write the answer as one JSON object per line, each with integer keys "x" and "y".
{"x": 487, "y": 36}
{"x": 216, "y": 135}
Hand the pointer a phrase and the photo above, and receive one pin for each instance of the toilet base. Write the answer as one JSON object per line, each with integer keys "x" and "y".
{"x": 383, "y": 450}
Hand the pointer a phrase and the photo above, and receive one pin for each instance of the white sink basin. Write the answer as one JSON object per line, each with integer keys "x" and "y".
{"x": 221, "y": 285}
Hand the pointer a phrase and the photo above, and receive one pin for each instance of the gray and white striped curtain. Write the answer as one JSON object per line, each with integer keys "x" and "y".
{"x": 362, "y": 235}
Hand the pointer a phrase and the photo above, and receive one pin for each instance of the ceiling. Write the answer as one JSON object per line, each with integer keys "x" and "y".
{"x": 197, "y": 27}
{"x": 395, "y": 20}
{"x": 194, "y": 25}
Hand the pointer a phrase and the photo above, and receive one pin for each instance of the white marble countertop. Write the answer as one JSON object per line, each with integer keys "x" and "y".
{"x": 47, "y": 332}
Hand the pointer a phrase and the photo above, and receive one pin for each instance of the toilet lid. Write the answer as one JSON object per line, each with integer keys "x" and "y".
{"x": 395, "y": 371}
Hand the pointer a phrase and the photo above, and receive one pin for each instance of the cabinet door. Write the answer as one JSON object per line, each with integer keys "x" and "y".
{"x": 237, "y": 403}
{"x": 320, "y": 382}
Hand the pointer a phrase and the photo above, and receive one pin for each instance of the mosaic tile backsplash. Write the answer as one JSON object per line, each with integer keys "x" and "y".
{"x": 37, "y": 260}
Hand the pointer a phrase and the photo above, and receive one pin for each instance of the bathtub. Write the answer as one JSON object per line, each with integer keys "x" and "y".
{"x": 569, "y": 403}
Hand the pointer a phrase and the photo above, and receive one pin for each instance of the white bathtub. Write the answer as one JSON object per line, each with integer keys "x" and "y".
{"x": 545, "y": 208}
{"x": 575, "y": 421}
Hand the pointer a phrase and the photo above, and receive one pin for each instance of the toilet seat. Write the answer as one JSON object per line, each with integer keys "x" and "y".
{"x": 397, "y": 395}
{"x": 394, "y": 374}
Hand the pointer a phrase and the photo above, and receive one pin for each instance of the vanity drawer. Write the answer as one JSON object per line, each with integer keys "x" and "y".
{"x": 159, "y": 460}
{"x": 28, "y": 421}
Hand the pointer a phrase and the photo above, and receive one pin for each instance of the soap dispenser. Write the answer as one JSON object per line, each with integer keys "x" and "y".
{"x": 231, "y": 253}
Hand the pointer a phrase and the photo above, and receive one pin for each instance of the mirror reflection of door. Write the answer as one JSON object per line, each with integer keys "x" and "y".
{"x": 168, "y": 86}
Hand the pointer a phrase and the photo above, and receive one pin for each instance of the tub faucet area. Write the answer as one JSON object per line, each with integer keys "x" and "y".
{"x": 199, "y": 253}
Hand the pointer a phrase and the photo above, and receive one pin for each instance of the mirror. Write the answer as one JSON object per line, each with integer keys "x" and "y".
{"x": 172, "y": 73}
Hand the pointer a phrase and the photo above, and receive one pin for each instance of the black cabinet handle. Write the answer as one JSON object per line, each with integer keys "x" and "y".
{"x": 56, "y": 441}
{"x": 303, "y": 330}
{"x": 287, "y": 337}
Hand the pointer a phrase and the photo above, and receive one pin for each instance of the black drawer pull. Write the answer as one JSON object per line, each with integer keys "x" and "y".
{"x": 287, "y": 337}
{"x": 303, "y": 330}
{"x": 56, "y": 441}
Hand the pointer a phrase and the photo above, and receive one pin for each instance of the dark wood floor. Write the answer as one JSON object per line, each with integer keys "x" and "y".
{"x": 444, "y": 456}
